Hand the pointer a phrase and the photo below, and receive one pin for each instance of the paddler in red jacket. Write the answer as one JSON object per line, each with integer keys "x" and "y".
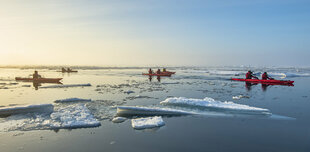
{"x": 249, "y": 75}
{"x": 265, "y": 76}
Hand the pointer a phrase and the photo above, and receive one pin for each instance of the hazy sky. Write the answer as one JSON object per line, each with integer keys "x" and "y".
{"x": 155, "y": 32}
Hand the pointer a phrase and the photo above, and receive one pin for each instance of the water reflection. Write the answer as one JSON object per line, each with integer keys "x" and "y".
{"x": 158, "y": 78}
{"x": 264, "y": 86}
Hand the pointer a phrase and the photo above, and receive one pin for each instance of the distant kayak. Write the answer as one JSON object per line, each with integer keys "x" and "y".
{"x": 154, "y": 74}
{"x": 281, "y": 82}
{"x": 68, "y": 71}
{"x": 42, "y": 80}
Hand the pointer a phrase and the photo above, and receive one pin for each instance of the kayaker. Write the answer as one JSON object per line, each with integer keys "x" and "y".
{"x": 36, "y": 75}
{"x": 63, "y": 70}
{"x": 150, "y": 71}
{"x": 158, "y": 71}
{"x": 69, "y": 70}
{"x": 250, "y": 75}
{"x": 266, "y": 77}
{"x": 164, "y": 70}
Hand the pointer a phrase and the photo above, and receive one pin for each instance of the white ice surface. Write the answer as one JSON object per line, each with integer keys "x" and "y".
{"x": 72, "y": 116}
{"x": 71, "y": 100}
{"x": 67, "y": 86}
{"x": 239, "y": 97}
{"x": 119, "y": 119}
{"x": 39, "y": 108}
{"x": 149, "y": 122}
{"x": 210, "y": 103}
{"x": 283, "y": 75}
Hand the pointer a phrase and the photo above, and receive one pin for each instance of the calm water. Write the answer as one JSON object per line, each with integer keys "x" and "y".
{"x": 287, "y": 129}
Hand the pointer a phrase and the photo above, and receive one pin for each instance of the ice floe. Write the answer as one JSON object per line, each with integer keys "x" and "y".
{"x": 135, "y": 110}
{"x": 239, "y": 97}
{"x": 64, "y": 117}
{"x": 67, "y": 86}
{"x": 211, "y": 103}
{"x": 119, "y": 119}
{"x": 73, "y": 116}
{"x": 45, "y": 108}
{"x": 129, "y": 91}
{"x": 72, "y": 100}
{"x": 149, "y": 122}
{"x": 284, "y": 75}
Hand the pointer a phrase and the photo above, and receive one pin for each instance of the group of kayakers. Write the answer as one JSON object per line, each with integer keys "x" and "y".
{"x": 158, "y": 71}
{"x": 36, "y": 75}
{"x": 250, "y": 75}
{"x": 66, "y": 70}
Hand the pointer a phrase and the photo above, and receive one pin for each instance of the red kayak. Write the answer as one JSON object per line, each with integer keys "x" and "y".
{"x": 168, "y": 72}
{"x": 281, "y": 82}
{"x": 42, "y": 80}
{"x": 154, "y": 74}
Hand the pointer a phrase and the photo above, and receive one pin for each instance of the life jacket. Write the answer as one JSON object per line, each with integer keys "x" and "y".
{"x": 248, "y": 75}
{"x": 264, "y": 76}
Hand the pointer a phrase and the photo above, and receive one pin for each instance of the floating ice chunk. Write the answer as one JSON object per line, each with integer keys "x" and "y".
{"x": 137, "y": 97}
{"x": 67, "y": 86}
{"x": 40, "y": 108}
{"x": 119, "y": 119}
{"x": 72, "y": 100}
{"x": 73, "y": 116}
{"x": 239, "y": 97}
{"x": 283, "y": 75}
{"x": 297, "y": 74}
{"x": 134, "y": 110}
{"x": 149, "y": 122}
{"x": 210, "y": 103}
{"x": 129, "y": 91}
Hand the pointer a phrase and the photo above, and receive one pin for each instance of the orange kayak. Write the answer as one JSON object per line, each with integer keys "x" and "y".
{"x": 42, "y": 80}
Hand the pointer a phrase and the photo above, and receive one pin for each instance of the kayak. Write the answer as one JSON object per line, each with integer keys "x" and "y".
{"x": 168, "y": 72}
{"x": 281, "y": 82}
{"x": 42, "y": 80}
{"x": 67, "y": 71}
{"x": 154, "y": 74}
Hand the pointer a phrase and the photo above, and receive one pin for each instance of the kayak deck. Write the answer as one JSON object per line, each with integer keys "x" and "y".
{"x": 264, "y": 81}
{"x": 46, "y": 80}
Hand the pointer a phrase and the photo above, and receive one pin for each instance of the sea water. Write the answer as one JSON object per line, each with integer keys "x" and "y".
{"x": 86, "y": 125}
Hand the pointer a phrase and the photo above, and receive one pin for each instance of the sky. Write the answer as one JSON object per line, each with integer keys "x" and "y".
{"x": 155, "y": 32}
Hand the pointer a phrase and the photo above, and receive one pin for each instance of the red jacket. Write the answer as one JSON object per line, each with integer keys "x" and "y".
{"x": 264, "y": 76}
{"x": 248, "y": 75}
